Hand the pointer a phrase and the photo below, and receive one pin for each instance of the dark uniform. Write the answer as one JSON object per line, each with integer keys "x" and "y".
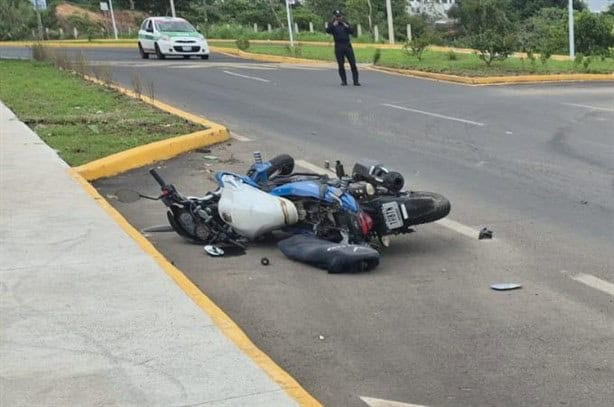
{"x": 341, "y": 32}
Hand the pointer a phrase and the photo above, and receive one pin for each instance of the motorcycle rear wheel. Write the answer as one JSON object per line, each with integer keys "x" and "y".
{"x": 430, "y": 207}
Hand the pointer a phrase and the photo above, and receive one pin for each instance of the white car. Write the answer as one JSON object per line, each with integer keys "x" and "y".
{"x": 167, "y": 36}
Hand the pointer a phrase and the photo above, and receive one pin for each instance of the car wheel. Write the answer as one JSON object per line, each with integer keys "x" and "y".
{"x": 204, "y": 56}
{"x": 159, "y": 54}
{"x": 142, "y": 52}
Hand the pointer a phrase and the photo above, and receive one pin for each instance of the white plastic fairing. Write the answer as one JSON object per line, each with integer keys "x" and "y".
{"x": 252, "y": 212}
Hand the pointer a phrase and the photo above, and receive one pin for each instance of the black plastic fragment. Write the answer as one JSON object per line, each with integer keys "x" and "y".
{"x": 485, "y": 233}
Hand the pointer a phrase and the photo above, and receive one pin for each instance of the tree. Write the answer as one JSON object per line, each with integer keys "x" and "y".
{"x": 527, "y": 8}
{"x": 593, "y": 34}
{"x": 325, "y": 8}
{"x": 17, "y": 19}
{"x": 490, "y": 30}
{"x": 545, "y": 32}
{"x": 360, "y": 12}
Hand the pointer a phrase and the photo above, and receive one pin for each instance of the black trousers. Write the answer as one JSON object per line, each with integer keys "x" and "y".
{"x": 342, "y": 51}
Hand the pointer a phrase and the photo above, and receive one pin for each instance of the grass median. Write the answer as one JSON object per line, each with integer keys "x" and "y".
{"x": 81, "y": 120}
{"x": 455, "y": 63}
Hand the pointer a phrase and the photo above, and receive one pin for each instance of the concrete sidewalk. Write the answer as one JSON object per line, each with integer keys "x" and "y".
{"x": 87, "y": 317}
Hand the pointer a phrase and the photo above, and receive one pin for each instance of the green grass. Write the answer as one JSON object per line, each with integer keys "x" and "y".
{"x": 83, "y": 121}
{"x": 432, "y": 61}
{"x": 472, "y": 65}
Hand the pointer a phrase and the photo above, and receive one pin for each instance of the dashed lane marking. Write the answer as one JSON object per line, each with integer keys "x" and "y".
{"x": 593, "y": 282}
{"x": 254, "y": 78}
{"x": 437, "y": 115}
{"x": 603, "y": 109}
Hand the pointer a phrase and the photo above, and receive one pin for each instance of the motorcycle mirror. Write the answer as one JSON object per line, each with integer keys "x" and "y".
{"x": 127, "y": 195}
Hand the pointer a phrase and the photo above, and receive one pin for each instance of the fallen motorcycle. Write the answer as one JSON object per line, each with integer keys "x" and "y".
{"x": 383, "y": 208}
{"x": 239, "y": 211}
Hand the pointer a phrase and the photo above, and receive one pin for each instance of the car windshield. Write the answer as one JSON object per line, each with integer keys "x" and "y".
{"x": 174, "y": 26}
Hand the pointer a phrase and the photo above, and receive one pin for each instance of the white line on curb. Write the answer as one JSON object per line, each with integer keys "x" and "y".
{"x": 594, "y": 282}
{"x": 372, "y": 402}
{"x": 605, "y": 109}
{"x": 239, "y": 137}
{"x": 440, "y": 116}
{"x": 312, "y": 167}
{"x": 255, "y": 78}
{"x": 447, "y": 223}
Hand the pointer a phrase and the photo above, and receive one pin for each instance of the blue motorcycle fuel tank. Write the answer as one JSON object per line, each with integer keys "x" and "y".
{"x": 312, "y": 189}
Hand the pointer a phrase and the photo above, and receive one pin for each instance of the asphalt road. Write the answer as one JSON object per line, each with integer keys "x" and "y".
{"x": 535, "y": 163}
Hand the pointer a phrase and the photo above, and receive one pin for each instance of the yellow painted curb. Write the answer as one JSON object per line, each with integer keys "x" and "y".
{"x": 69, "y": 44}
{"x": 147, "y": 154}
{"x": 267, "y": 57}
{"x": 496, "y": 80}
{"x": 230, "y": 329}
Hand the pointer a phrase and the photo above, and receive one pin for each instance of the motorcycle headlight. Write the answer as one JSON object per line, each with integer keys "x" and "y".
{"x": 369, "y": 189}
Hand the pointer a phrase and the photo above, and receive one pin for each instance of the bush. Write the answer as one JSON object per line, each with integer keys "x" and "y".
{"x": 452, "y": 55}
{"x": 419, "y": 43}
{"x": 587, "y": 61}
{"x": 296, "y": 51}
{"x": 377, "y": 55}
{"x": 242, "y": 44}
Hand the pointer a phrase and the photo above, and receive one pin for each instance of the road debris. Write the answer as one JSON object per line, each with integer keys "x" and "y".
{"x": 485, "y": 233}
{"x": 213, "y": 251}
{"x": 505, "y": 286}
{"x": 210, "y": 157}
{"x": 265, "y": 261}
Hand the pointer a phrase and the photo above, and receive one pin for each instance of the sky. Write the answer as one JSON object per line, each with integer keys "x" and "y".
{"x": 599, "y": 5}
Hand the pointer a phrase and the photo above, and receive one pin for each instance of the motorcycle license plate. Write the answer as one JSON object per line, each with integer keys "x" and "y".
{"x": 187, "y": 48}
{"x": 392, "y": 215}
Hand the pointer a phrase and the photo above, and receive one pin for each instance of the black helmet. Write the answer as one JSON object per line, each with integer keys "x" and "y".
{"x": 337, "y": 13}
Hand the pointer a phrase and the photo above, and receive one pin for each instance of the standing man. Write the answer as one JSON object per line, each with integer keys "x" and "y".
{"x": 341, "y": 31}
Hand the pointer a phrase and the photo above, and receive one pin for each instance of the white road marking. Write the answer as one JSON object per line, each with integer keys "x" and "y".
{"x": 446, "y": 223}
{"x": 440, "y": 116}
{"x": 460, "y": 228}
{"x": 239, "y": 137}
{"x": 387, "y": 403}
{"x": 605, "y": 109}
{"x": 594, "y": 282}
{"x": 312, "y": 167}
{"x": 255, "y": 78}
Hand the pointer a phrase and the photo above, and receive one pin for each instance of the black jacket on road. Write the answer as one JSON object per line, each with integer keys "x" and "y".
{"x": 343, "y": 49}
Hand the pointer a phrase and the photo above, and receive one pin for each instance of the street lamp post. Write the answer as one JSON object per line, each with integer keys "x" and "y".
{"x": 173, "y": 8}
{"x": 572, "y": 47}
{"x": 113, "y": 18}
{"x": 390, "y": 26}
{"x": 289, "y": 23}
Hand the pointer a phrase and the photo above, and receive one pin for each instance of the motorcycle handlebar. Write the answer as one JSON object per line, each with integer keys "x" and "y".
{"x": 157, "y": 177}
